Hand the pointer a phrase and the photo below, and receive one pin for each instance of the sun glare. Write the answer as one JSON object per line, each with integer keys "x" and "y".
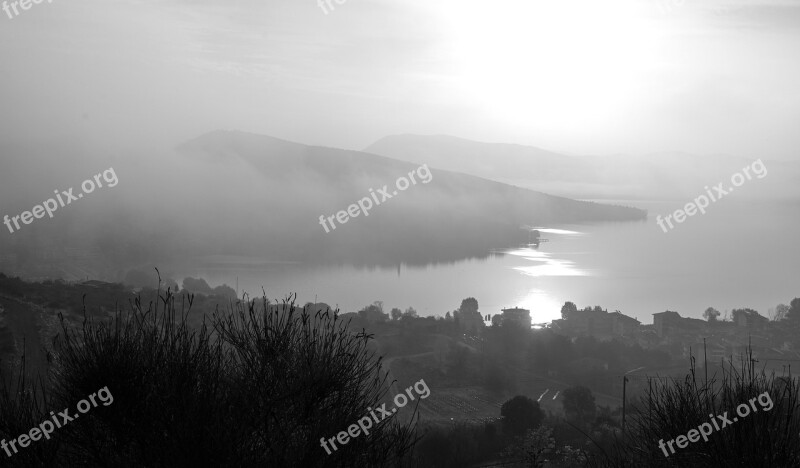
{"x": 558, "y": 61}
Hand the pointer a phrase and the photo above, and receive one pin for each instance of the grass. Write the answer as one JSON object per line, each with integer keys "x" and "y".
{"x": 257, "y": 384}
{"x": 672, "y": 408}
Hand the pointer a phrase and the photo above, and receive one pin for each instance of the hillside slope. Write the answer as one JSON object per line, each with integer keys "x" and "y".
{"x": 231, "y": 193}
{"x": 452, "y": 216}
{"x": 647, "y": 177}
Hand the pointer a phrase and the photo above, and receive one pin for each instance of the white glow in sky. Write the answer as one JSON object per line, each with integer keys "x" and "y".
{"x": 618, "y": 76}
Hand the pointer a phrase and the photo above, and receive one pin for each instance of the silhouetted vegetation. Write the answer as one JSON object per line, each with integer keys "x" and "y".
{"x": 257, "y": 386}
{"x": 578, "y": 404}
{"x": 260, "y": 382}
{"x": 517, "y": 440}
{"x": 672, "y": 408}
{"x": 520, "y": 414}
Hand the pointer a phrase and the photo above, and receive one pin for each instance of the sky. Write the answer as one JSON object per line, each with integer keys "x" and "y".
{"x": 575, "y": 76}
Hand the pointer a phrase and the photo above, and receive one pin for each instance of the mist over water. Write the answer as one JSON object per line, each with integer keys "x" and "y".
{"x": 711, "y": 260}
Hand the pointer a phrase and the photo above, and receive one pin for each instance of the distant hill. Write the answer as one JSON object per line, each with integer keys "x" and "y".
{"x": 452, "y": 216}
{"x": 240, "y": 195}
{"x": 654, "y": 176}
{"x": 514, "y": 164}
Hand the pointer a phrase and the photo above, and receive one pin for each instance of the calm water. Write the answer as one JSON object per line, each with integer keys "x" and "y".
{"x": 736, "y": 255}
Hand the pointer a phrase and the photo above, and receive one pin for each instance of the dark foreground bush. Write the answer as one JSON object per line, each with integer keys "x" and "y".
{"x": 458, "y": 445}
{"x": 764, "y": 438}
{"x": 258, "y": 386}
{"x": 21, "y": 405}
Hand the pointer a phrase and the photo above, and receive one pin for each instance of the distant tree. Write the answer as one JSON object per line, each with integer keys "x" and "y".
{"x": 313, "y": 308}
{"x": 520, "y": 414}
{"x": 497, "y": 320}
{"x": 711, "y": 314}
{"x": 568, "y": 309}
{"x": 781, "y": 311}
{"x": 396, "y": 313}
{"x": 469, "y": 305}
{"x": 410, "y": 312}
{"x": 198, "y": 285}
{"x": 373, "y": 313}
{"x": 448, "y": 316}
{"x": 793, "y": 314}
{"x": 467, "y": 317}
{"x": 170, "y": 283}
{"x": 225, "y": 291}
{"x": 579, "y": 404}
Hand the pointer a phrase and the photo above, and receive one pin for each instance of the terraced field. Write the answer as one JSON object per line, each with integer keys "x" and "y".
{"x": 467, "y": 404}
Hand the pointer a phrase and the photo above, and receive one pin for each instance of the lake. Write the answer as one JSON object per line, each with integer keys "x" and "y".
{"x": 736, "y": 255}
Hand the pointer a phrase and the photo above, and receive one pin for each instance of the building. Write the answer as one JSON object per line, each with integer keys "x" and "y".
{"x": 516, "y": 315}
{"x": 597, "y": 323}
{"x": 669, "y": 323}
{"x": 622, "y": 325}
{"x": 664, "y": 321}
{"x": 749, "y": 318}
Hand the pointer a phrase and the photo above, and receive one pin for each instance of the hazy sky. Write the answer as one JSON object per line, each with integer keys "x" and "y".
{"x": 583, "y": 76}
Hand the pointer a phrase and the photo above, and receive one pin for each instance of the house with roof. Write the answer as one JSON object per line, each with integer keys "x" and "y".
{"x": 516, "y": 315}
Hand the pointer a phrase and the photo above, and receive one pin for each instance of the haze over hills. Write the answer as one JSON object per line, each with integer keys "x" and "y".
{"x": 252, "y": 195}
{"x": 455, "y": 214}
{"x": 646, "y": 177}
